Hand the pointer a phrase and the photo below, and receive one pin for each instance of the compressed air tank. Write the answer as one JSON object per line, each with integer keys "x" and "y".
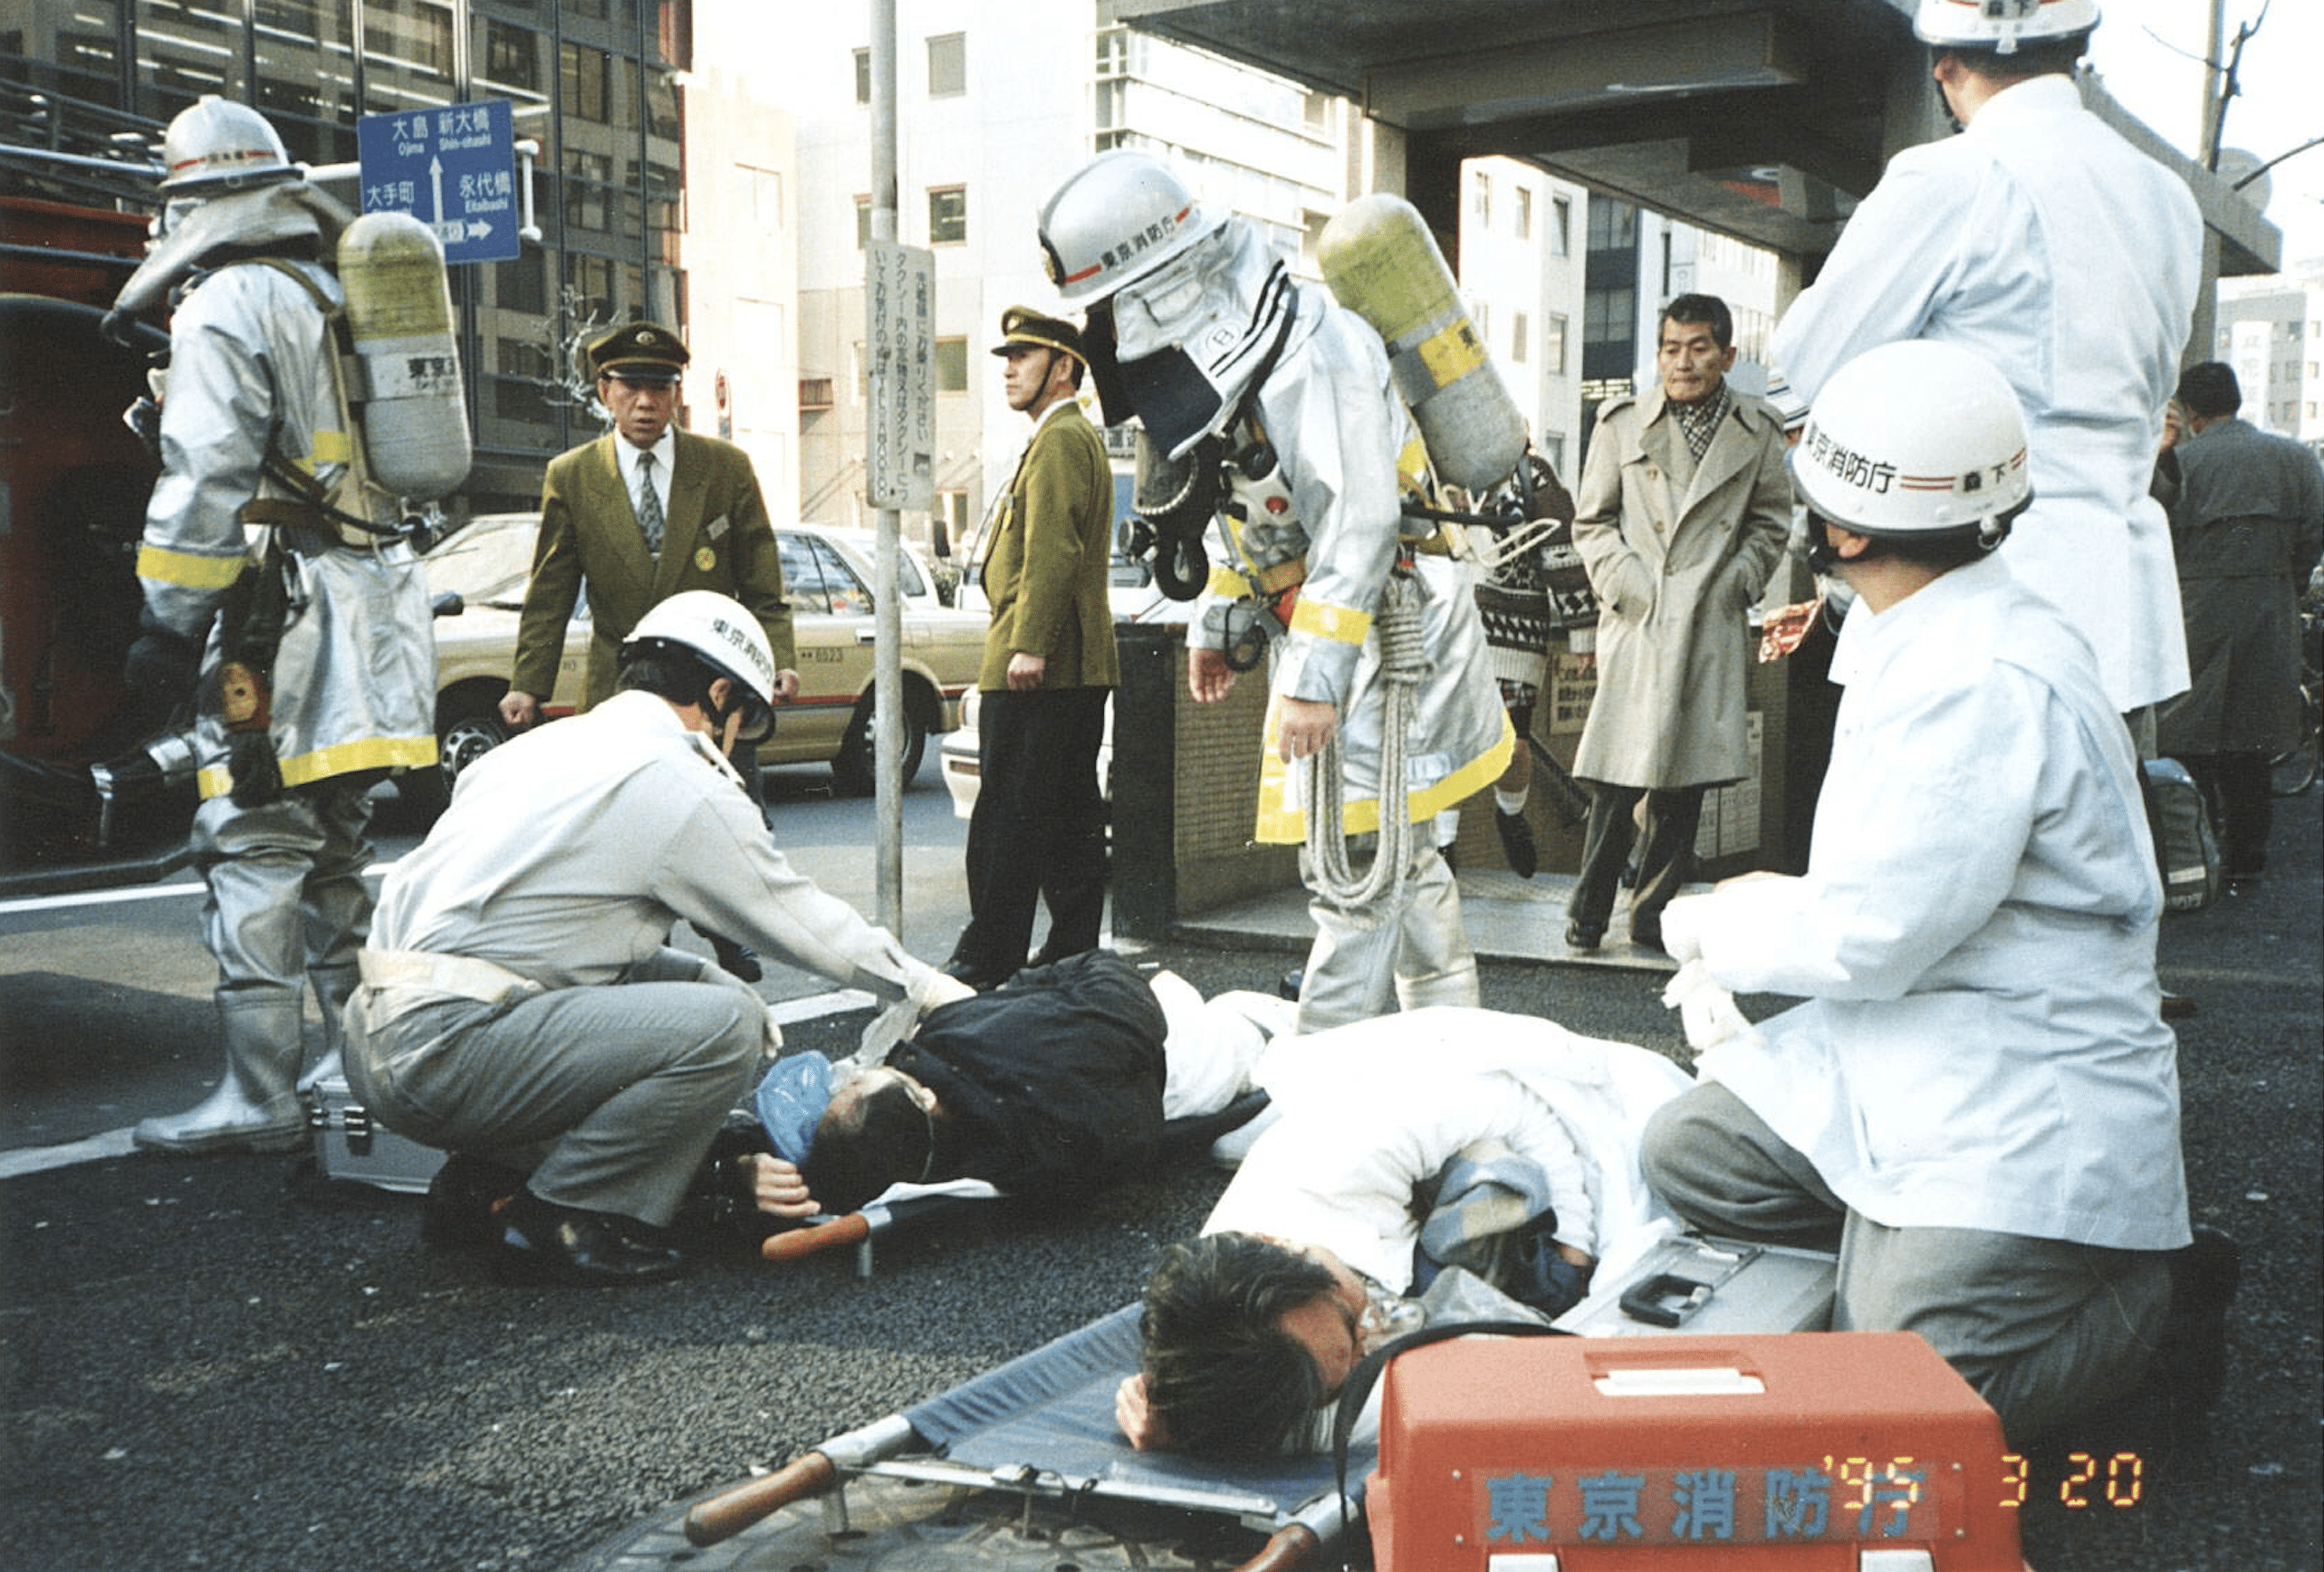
{"x": 412, "y": 408}
{"x": 1382, "y": 263}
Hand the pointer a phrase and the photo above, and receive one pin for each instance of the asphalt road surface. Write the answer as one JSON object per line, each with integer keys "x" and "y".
{"x": 227, "y": 1363}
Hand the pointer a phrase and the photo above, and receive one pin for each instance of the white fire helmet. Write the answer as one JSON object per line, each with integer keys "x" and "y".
{"x": 1117, "y": 219}
{"x": 219, "y": 145}
{"x": 2001, "y": 24}
{"x": 1914, "y": 438}
{"x": 722, "y": 632}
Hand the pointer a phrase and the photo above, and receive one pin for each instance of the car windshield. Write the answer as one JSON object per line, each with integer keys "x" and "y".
{"x": 487, "y": 563}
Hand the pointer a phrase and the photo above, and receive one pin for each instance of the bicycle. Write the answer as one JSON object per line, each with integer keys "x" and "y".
{"x": 2293, "y": 771}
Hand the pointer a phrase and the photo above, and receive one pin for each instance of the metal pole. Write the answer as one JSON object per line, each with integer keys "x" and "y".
{"x": 888, "y": 651}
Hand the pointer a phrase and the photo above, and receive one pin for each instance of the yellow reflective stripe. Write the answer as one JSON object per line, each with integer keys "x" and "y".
{"x": 344, "y": 758}
{"x": 329, "y": 448}
{"x": 1226, "y": 582}
{"x": 1452, "y": 353}
{"x": 1412, "y": 468}
{"x": 188, "y": 570}
{"x": 1339, "y": 624}
{"x": 1281, "y": 821}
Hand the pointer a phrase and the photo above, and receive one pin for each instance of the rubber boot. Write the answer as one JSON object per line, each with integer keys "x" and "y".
{"x": 256, "y": 1107}
{"x": 333, "y": 985}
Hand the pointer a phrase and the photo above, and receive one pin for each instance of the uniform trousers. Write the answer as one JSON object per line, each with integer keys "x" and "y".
{"x": 609, "y": 1096}
{"x": 1038, "y": 832}
{"x": 2043, "y": 1328}
{"x": 1673, "y": 814}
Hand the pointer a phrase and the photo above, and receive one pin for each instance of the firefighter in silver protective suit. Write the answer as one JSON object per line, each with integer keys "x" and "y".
{"x": 1237, "y": 370}
{"x": 300, "y": 635}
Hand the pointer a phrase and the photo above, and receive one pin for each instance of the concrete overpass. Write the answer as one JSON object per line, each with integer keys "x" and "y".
{"x": 1764, "y": 119}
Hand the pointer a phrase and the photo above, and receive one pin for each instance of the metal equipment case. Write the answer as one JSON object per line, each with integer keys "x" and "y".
{"x": 1816, "y": 1451}
{"x": 351, "y": 1144}
{"x": 1697, "y": 1284}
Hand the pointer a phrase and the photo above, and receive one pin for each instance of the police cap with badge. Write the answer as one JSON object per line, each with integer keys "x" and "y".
{"x": 638, "y": 352}
{"x": 1023, "y": 325}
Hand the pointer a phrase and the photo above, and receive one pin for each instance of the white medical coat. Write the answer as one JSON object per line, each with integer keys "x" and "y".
{"x": 2042, "y": 241}
{"x": 1373, "y": 1109}
{"x": 1983, "y": 1045}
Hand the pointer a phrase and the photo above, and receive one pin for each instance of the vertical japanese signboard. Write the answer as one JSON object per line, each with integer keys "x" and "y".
{"x": 899, "y": 344}
{"x": 452, "y": 167}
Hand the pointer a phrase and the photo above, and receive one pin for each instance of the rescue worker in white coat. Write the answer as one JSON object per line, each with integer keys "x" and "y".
{"x": 306, "y": 633}
{"x": 521, "y": 1006}
{"x": 1197, "y": 327}
{"x": 1979, "y": 1102}
{"x": 2044, "y": 242}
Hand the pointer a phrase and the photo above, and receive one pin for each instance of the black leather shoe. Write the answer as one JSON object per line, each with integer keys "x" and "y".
{"x": 1517, "y": 843}
{"x": 564, "y": 1244}
{"x": 2177, "y": 1006}
{"x": 1581, "y": 940}
{"x": 458, "y": 1210}
{"x": 975, "y": 976}
{"x": 2190, "y": 1354}
{"x": 1647, "y": 936}
{"x": 1288, "y": 985}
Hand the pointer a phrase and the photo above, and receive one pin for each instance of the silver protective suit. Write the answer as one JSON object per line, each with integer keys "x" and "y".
{"x": 352, "y": 679}
{"x": 1346, "y": 451}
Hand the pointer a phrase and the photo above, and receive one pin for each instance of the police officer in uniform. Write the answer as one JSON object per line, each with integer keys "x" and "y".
{"x": 1049, "y": 663}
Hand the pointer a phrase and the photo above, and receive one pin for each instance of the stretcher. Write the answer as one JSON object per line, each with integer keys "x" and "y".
{"x": 1030, "y": 1451}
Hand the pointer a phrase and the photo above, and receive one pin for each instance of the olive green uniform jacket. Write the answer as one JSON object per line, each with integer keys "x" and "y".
{"x": 1046, "y": 577}
{"x": 714, "y": 536}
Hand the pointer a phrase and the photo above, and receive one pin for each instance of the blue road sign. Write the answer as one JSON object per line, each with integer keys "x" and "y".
{"x": 453, "y": 167}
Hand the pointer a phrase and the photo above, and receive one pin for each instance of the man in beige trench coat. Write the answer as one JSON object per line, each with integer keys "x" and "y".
{"x": 1683, "y": 511}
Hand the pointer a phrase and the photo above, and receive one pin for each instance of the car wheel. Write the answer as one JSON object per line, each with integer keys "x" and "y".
{"x": 853, "y": 765}
{"x": 466, "y": 738}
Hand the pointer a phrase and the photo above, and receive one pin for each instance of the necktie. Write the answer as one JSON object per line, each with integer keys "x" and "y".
{"x": 650, "y": 504}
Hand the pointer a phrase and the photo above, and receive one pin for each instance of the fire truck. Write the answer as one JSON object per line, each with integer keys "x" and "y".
{"x": 76, "y": 185}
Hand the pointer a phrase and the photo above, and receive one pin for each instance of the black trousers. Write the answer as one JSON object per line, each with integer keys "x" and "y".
{"x": 1673, "y": 813}
{"x": 1038, "y": 832}
{"x": 2236, "y": 787}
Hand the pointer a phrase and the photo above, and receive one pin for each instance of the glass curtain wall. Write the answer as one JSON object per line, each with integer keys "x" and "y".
{"x": 593, "y": 82}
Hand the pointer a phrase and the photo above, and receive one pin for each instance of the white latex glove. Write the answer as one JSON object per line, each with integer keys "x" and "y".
{"x": 1706, "y": 1011}
{"x": 928, "y": 989}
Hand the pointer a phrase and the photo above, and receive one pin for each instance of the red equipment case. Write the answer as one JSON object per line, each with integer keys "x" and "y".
{"x": 1854, "y": 1451}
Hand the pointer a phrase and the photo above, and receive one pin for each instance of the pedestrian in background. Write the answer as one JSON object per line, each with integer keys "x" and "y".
{"x": 1683, "y": 510}
{"x": 2246, "y": 527}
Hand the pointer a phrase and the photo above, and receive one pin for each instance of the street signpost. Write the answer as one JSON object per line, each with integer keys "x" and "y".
{"x": 453, "y": 167}
{"x": 901, "y": 293}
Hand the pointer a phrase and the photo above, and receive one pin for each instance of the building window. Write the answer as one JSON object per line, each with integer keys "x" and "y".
{"x": 1112, "y": 105}
{"x": 512, "y": 56}
{"x": 1481, "y": 198}
{"x": 948, "y": 216}
{"x": 1317, "y": 114}
{"x": 587, "y": 77}
{"x": 1561, "y": 226}
{"x": 587, "y": 175}
{"x": 862, "y": 222}
{"x": 1113, "y": 52}
{"x": 863, "y": 76}
{"x": 952, "y": 365}
{"x": 1524, "y": 214}
{"x": 1553, "y": 346}
{"x": 767, "y": 195}
{"x": 814, "y": 394}
{"x": 1482, "y": 314}
{"x": 948, "y": 65}
{"x": 1519, "y": 331}
{"x": 1553, "y": 449}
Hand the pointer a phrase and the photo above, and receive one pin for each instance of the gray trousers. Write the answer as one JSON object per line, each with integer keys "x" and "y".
{"x": 1409, "y": 954}
{"x": 286, "y": 896}
{"x": 2042, "y": 1328}
{"x": 608, "y": 1097}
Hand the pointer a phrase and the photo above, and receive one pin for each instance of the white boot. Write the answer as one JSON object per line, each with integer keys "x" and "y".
{"x": 256, "y": 1107}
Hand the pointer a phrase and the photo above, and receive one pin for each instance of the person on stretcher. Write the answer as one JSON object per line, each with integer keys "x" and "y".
{"x": 1396, "y": 1150}
{"x": 1048, "y": 1088}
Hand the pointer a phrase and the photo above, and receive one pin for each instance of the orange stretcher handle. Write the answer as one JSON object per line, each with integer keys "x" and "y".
{"x": 794, "y": 1243}
{"x": 722, "y": 1517}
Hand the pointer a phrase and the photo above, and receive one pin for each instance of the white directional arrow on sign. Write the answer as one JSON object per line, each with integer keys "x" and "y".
{"x": 436, "y": 184}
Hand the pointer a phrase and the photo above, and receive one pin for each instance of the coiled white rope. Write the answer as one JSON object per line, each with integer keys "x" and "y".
{"x": 1403, "y": 664}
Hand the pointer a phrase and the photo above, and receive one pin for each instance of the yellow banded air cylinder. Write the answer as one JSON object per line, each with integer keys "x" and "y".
{"x": 1382, "y": 263}
{"x": 411, "y": 409}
